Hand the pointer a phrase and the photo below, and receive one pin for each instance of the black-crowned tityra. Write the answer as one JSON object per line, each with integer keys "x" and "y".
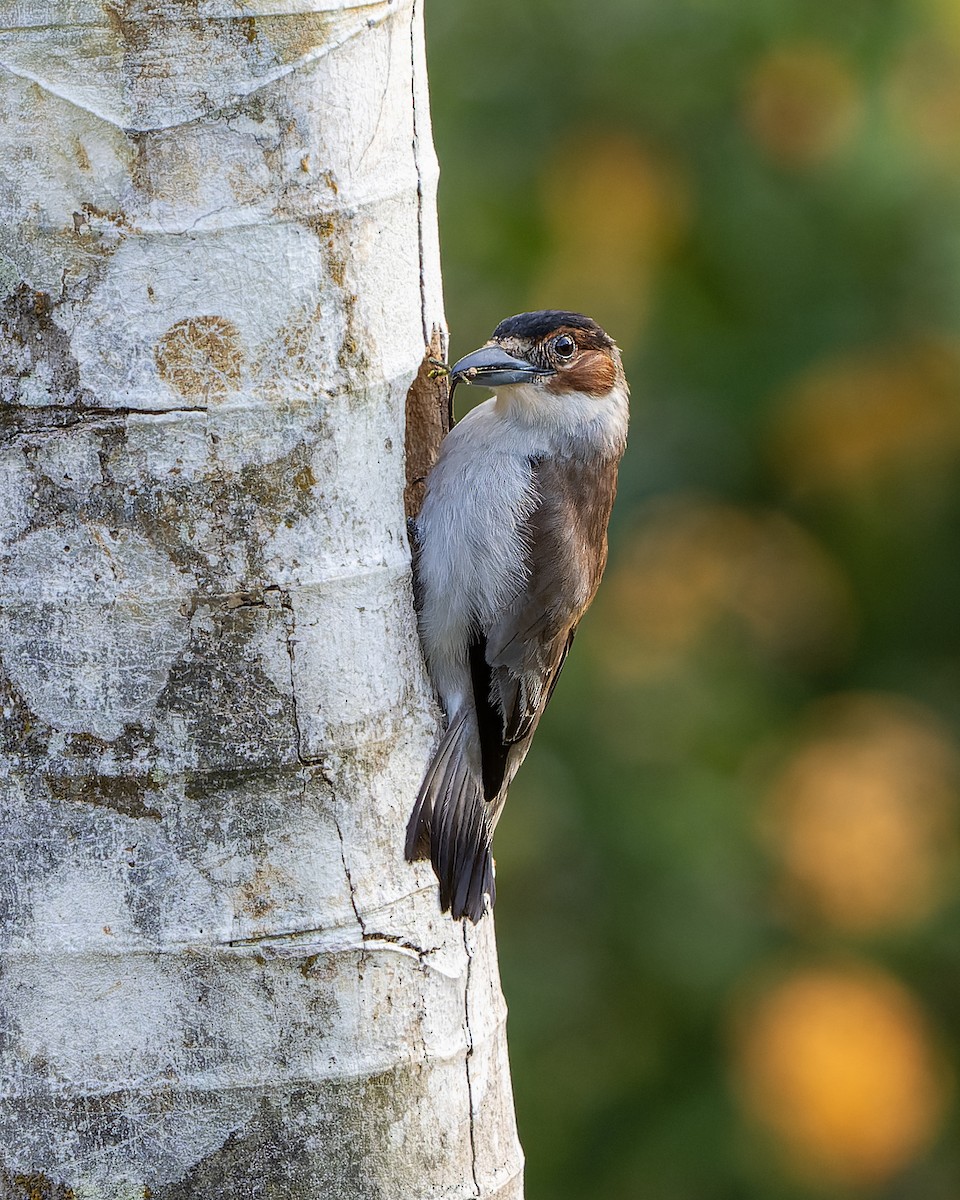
{"x": 511, "y": 543}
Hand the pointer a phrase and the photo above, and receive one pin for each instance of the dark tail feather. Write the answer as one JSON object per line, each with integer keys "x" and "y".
{"x": 475, "y": 884}
{"x": 449, "y": 823}
{"x": 418, "y": 827}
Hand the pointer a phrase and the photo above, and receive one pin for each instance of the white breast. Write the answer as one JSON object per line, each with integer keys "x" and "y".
{"x": 472, "y": 553}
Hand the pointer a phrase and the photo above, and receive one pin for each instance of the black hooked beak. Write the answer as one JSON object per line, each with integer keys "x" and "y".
{"x": 493, "y": 367}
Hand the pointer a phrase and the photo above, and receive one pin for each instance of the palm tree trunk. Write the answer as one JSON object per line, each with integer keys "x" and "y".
{"x": 218, "y": 273}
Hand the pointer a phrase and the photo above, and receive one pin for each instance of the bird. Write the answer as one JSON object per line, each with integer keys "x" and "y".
{"x": 508, "y": 549}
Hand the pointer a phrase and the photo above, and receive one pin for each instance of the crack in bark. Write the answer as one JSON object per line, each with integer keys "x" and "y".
{"x": 290, "y": 637}
{"x": 144, "y": 412}
{"x": 310, "y": 945}
{"x": 16, "y": 422}
{"x": 391, "y": 939}
{"x": 416, "y": 163}
{"x": 349, "y": 877}
{"x": 294, "y": 936}
{"x": 466, "y": 1060}
{"x": 260, "y": 598}
{"x": 286, "y": 603}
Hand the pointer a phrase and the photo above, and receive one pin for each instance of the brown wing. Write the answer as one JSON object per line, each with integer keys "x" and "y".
{"x": 515, "y": 663}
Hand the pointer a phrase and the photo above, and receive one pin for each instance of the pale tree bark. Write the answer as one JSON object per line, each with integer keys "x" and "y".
{"x": 219, "y": 270}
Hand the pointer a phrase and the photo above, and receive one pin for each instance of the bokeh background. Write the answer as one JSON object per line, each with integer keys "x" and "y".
{"x": 729, "y": 912}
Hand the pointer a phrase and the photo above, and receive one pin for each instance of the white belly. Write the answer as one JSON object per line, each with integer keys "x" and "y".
{"x": 472, "y": 554}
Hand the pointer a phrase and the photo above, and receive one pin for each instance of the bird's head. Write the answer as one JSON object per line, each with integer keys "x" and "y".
{"x": 552, "y": 367}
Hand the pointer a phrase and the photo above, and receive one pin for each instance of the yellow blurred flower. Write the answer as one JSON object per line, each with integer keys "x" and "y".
{"x": 856, "y": 418}
{"x": 693, "y": 564}
{"x": 838, "y": 1063}
{"x": 801, "y": 104}
{"x": 863, "y": 814}
{"x": 612, "y": 210}
{"x": 924, "y": 98}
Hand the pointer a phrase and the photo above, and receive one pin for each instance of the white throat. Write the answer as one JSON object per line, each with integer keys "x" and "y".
{"x": 571, "y": 422}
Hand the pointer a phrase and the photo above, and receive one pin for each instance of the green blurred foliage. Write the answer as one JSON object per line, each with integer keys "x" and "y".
{"x": 748, "y": 771}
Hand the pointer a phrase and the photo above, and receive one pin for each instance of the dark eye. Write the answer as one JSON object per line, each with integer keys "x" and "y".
{"x": 564, "y": 346}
